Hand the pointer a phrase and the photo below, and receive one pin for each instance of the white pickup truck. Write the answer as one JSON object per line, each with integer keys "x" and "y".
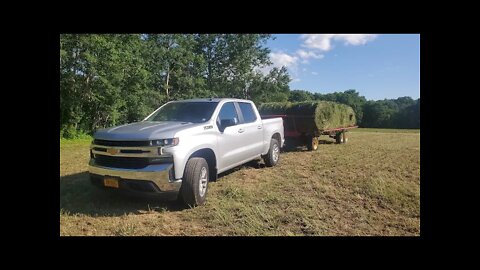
{"x": 182, "y": 146}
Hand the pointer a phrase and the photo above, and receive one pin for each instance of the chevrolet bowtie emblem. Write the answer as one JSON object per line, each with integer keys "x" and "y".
{"x": 112, "y": 151}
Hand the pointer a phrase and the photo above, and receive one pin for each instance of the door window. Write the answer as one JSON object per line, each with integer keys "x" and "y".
{"x": 227, "y": 112}
{"x": 248, "y": 113}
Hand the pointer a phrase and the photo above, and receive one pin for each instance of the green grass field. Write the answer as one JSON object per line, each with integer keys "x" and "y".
{"x": 385, "y": 130}
{"x": 369, "y": 186}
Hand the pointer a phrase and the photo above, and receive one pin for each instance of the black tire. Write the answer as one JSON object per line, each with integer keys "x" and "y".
{"x": 339, "y": 137}
{"x": 190, "y": 193}
{"x": 312, "y": 143}
{"x": 270, "y": 159}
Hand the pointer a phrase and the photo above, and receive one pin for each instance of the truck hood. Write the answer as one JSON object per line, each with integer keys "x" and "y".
{"x": 143, "y": 131}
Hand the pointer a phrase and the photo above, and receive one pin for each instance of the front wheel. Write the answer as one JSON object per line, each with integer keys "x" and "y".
{"x": 195, "y": 182}
{"x": 273, "y": 155}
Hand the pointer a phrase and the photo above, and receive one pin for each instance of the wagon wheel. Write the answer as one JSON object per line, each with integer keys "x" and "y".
{"x": 312, "y": 143}
{"x": 345, "y": 137}
{"x": 339, "y": 137}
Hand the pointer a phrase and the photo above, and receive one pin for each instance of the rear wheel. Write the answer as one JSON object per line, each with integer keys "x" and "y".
{"x": 195, "y": 182}
{"x": 312, "y": 143}
{"x": 271, "y": 159}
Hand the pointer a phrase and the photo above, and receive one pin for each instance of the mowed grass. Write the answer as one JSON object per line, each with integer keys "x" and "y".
{"x": 385, "y": 130}
{"x": 369, "y": 186}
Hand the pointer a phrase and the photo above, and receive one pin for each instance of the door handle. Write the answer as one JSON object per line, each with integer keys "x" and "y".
{"x": 259, "y": 127}
{"x": 241, "y": 130}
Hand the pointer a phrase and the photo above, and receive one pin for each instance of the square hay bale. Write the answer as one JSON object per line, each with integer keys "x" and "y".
{"x": 312, "y": 116}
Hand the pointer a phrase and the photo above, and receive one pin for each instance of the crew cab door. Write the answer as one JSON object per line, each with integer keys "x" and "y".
{"x": 231, "y": 140}
{"x": 252, "y": 127}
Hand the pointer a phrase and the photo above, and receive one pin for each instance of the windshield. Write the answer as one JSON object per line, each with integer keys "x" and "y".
{"x": 195, "y": 112}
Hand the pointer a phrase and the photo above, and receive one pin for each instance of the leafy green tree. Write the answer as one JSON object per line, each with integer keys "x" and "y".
{"x": 177, "y": 71}
{"x": 89, "y": 77}
{"x": 408, "y": 114}
{"x": 139, "y": 97}
{"x": 270, "y": 88}
{"x": 404, "y": 102}
{"x": 378, "y": 114}
{"x": 113, "y": 79}
{"x": 103, "y": 81}
{"x": 300, "y": 95}
{"x": 231, "y": 60}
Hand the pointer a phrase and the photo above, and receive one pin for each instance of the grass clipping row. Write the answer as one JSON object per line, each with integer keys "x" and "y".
{"x": 312, "y": 116}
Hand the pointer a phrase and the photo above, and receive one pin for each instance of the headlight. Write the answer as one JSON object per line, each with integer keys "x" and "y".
{"x": 165, "y": 142}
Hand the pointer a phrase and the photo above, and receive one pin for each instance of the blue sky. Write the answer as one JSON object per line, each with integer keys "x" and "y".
{"x": 377, "y": 66}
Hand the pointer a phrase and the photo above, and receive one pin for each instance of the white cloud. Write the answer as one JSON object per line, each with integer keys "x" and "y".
{"x": 323, "y": 42}
{"x": 305, "y": 55}
{"x": 313, "y": 46}
{"x": 317, "y": 41}
{"x": 355, "y": 39}
{"x": 279, "y": 60}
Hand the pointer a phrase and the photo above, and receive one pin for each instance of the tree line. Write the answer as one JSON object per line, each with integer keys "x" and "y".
{"x": 111, "y": 79}
{"x": 403, "y": 112}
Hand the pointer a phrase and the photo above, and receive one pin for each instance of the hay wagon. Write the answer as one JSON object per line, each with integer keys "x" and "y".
{"x": 304, "y": 123}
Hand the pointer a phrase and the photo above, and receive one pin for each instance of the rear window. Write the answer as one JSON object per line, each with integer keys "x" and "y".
{"x": 248, "y": 112}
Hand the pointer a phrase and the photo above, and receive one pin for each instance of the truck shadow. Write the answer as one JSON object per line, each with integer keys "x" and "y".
{"x": 79, "y": 196}
{"x": 255, "y": 164}
{"x": 326, "y": 142}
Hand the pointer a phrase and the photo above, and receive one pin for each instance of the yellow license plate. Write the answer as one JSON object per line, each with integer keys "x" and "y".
{"x": 110, "y": 182}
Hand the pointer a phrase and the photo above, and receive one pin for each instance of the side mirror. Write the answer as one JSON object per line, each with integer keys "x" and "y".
{"x": 224, "y": 123}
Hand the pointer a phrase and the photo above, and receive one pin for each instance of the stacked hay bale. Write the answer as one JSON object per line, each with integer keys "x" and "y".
{"x": 312, "y": 116}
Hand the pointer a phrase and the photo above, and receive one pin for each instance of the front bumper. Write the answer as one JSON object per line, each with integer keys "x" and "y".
{"x": 161, "y": 175}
